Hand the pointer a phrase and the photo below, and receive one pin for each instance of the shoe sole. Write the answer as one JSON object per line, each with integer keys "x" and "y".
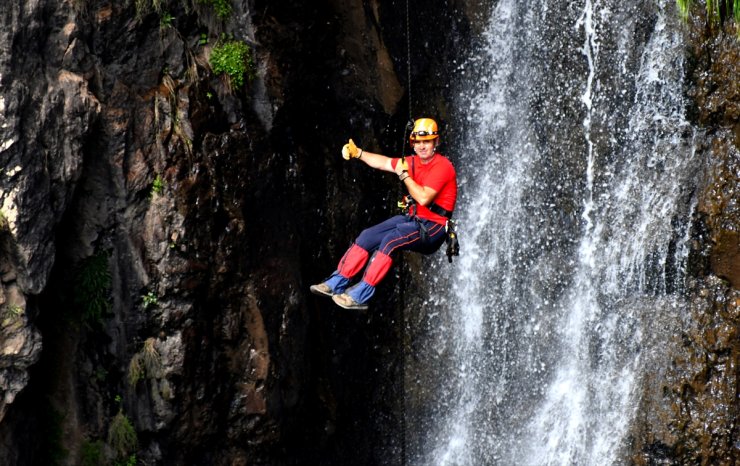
{"x": 357, "y": 307}
{"x": 315, "y": 290}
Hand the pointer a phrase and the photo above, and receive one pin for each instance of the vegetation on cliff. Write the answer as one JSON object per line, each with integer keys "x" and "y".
{"x": 234, "y": 59}
{"x": 223, "y": 357}
{"x": 717, "y": 11}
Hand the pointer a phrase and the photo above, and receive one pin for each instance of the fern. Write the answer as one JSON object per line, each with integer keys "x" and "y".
{"x": 233, "y": 58}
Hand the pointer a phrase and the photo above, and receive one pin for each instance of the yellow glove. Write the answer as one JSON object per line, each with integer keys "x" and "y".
{"x": 404, "y": 165}
{"x": 350, "y": 151}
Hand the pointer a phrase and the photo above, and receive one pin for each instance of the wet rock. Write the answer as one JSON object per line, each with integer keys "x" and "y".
{"x": 209, "y": 271}
{"x": 256, "y": 205}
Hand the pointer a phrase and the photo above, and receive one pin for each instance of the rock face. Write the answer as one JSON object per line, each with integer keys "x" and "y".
{"x": 691, "y": 405}
{"x": 43, "y": 128}
{"x": 160, "y": 229}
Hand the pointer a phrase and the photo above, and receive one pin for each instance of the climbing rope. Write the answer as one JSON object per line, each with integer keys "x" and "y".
{"x": 410, "y": 123}
{"x": 408, "y": 58}
{"x": 408, "y": 129}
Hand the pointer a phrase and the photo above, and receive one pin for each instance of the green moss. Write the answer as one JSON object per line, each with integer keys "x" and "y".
{"x": 157, "y": 186}
{"x": 11, "y": 316}
{"x": 233, "y": 58}
{"x": 13, "y": 311}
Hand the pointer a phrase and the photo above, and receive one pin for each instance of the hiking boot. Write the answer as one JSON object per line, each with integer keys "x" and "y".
{"x": 344, "y": 300}
{"x": 322, "y": 289}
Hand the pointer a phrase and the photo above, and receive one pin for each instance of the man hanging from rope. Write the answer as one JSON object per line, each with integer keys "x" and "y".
{"x": 432, "y": 185}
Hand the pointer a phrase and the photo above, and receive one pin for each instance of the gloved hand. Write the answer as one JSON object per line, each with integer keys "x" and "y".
{"x": 402, "y": 166}
{"x": 350, "y": 150}
{"x": 402, "y": 169}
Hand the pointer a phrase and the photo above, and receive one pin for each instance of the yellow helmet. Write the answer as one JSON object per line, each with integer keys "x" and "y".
{"x": 425, "y": 129}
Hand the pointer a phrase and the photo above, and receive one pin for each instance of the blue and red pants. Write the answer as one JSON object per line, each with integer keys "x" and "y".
{"x": 398, "y": 233}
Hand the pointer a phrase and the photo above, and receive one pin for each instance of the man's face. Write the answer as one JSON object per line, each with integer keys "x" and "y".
{"x": 425, "y": 149}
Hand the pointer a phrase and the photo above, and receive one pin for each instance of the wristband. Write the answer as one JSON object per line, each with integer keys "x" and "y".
{"x": 402, "y": 177}
{"x": 360, "y": 156}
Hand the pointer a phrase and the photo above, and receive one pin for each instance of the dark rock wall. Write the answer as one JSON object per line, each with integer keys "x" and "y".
{"x": 160, "y": 229}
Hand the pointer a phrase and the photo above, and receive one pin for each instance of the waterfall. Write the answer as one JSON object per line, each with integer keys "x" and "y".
{"x": 577, "y": 171}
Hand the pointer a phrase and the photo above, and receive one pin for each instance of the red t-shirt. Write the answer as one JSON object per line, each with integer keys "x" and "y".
{"x": 439, "y": 175}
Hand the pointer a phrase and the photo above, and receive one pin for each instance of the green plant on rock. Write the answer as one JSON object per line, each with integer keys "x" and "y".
{"x": 717, "y": 10}
{"x": 165, "y": 20}
{"x": 92, "y": 284}
{"x": 150, "y": 300}
{"x": 135, "y": 370}
{"x": 100, "y": 374}
{"x": 11, "y": 316}
{"x": 130, "y": 461}
{"x": 146, "y": 363}
{"x": 683, "y": 8}
{"x": 152, "y": 359}
{"x": 234, "y": 59}
{"x": 157, "y": 186}
{"x": 221, "y": 7}
{"x": 14, "y": 311}
{"x": 122, "y": 437}
{"x": 91, "y": 453}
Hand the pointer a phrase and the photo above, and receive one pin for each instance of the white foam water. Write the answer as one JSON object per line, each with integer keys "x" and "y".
{"x": 576, "y": 171}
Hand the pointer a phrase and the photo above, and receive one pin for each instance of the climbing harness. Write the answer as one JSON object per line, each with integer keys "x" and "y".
{"x": 408, "y": 206}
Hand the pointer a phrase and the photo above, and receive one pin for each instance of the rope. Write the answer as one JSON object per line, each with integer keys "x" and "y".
{"x": 407, "y": 130}
{"x": 408, "y": 58}
{"x": 410, "y": 123}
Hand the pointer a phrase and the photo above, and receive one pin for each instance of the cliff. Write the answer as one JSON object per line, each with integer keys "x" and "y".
{"x": 161, "y": 225}
{"x": 690, "y": 407}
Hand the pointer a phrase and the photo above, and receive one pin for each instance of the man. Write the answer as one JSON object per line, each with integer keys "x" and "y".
{"x": 431, "y": 182}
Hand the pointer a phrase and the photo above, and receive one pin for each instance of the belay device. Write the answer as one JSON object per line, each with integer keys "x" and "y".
{"x": 453, "y": 246}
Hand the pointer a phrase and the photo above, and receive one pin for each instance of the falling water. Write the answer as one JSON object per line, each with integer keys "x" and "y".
{"x": 577, "y": 171}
